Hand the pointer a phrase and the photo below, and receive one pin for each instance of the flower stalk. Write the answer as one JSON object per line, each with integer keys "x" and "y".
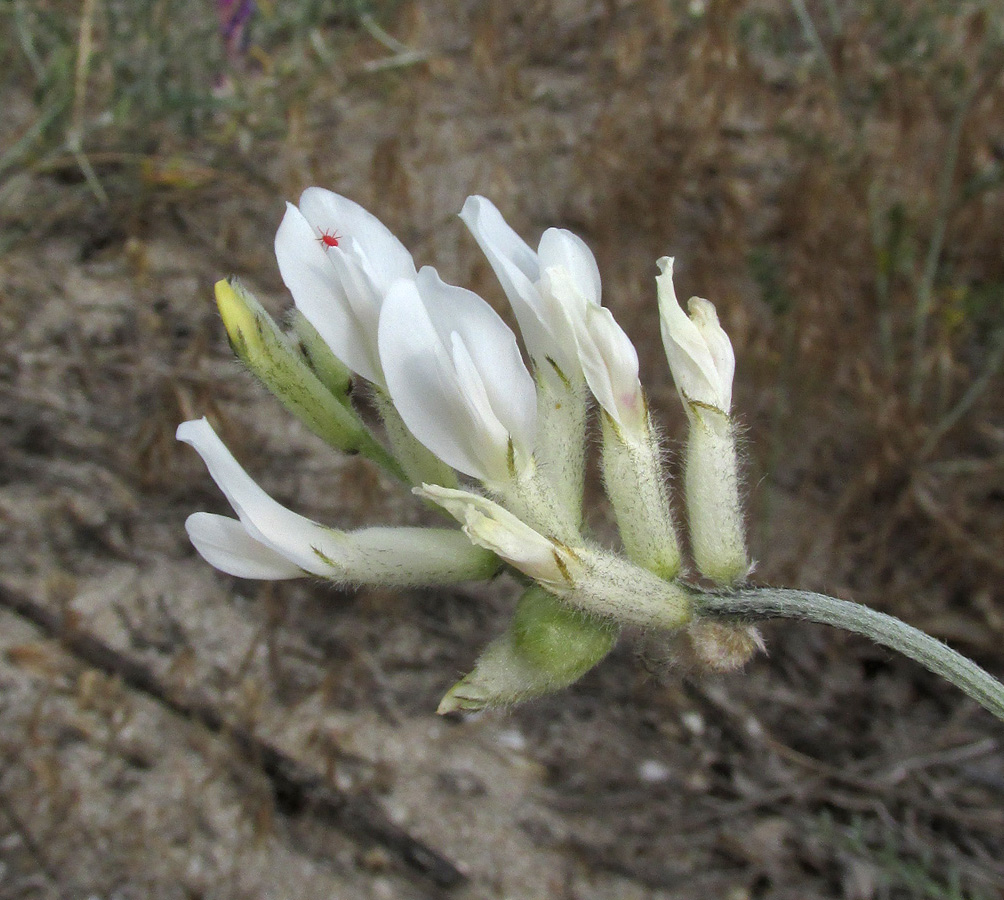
{"x": 760, "y": 603}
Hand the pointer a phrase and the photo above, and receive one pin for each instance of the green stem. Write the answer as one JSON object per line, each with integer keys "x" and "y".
{"x": 768, "y": 603}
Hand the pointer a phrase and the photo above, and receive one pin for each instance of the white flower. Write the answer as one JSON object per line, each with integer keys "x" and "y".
{"x": 455, "y": 374}
{"x": 698, "y": 349}
{"x": 269, "y": 541}
{"x": 597, "y": 582}
{"x": 545, "y": 318}
{"x": 338, "y": 262}
{"x": 489, "y": 525}
{"x": 555, "y": 294}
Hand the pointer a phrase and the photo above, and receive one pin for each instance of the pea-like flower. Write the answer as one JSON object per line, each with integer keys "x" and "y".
{"x": 266, "y": 540}
{"x": 592, "y": 580}
{"x": 339, "y": 261}
{"x": 547, "y": 316}
{"x": 456, "y": 376}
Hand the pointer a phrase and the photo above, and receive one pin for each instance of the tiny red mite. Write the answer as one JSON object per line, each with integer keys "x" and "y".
{"x": 329, "y": 238}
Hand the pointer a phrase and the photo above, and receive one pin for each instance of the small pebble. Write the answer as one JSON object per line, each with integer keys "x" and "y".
{"x": 652, "y": 771}
{"x": 512, "y": 739}
{"x": 693, "y": 722}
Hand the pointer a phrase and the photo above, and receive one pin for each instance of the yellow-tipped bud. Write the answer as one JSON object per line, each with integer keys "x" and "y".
{"x": 242, "y": 321}
{"x": 263, "y": 347}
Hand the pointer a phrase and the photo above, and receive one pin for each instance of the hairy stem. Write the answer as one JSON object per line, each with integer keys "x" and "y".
{"x": 769, "y": 603}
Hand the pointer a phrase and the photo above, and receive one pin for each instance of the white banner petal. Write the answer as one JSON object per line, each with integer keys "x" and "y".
{"x": 299, "y": 539}
{"x": 517, "y": 268}
{"x": 493, "y": 350}
{"x": 318, "y": 292}
{"x": 422, "y": 381}
{"x": 560, "y": 247}
{"x": 388, "y": 259}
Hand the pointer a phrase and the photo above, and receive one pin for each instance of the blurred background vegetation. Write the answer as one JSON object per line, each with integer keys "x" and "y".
{"x": 829, "y": 173}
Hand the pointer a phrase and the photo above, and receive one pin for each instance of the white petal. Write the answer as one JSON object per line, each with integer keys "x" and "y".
{"x": 518, "y": 271}
{"x": 422, "y": 381}
{"x": 491, "y": 526}
{"x": 705, "y": 317}
{"x": 497, "y": 238}
{"x": 319, "y": 293}
{"x": 363, "y": 300}
{"x": 225, "y": 544}
{"x": 271, "y": 541}
{"x": 386, "y": 257}
{"x": 303, "y": 542}
{"x": 690, "y": 361}
{"x": 465, "y": 417}
{"x": 493, "y": 350}
{"x": 559, "y": 247}
{"x": 610, "y": 363}
{"x": 475, "y": 394}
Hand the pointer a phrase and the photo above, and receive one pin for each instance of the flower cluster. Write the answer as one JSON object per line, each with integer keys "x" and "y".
{"x": 497, "y": 444}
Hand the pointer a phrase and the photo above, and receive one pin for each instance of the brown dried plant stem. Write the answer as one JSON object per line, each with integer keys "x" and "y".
{"x": 298, "y": 789}
{"x": 768, "y": 603}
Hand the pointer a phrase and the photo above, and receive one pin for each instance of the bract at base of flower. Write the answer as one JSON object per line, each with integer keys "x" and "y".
{"x": 714, "y": 646}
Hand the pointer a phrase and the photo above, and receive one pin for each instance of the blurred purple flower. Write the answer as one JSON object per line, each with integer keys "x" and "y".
{"x": 234, "y": 16}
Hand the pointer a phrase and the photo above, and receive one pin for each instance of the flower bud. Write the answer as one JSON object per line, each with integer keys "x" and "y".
{"x": 262, "y": 346}
{"x": 703, "y": 364}
{"x": 699, "y": 352}
{"x": 547, "y": 646}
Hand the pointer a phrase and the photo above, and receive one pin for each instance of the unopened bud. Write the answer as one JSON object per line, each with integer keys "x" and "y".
{"x": 547, "y": 646}
{"x": 329, "y": 369}
{"x": 263, "y": 347}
